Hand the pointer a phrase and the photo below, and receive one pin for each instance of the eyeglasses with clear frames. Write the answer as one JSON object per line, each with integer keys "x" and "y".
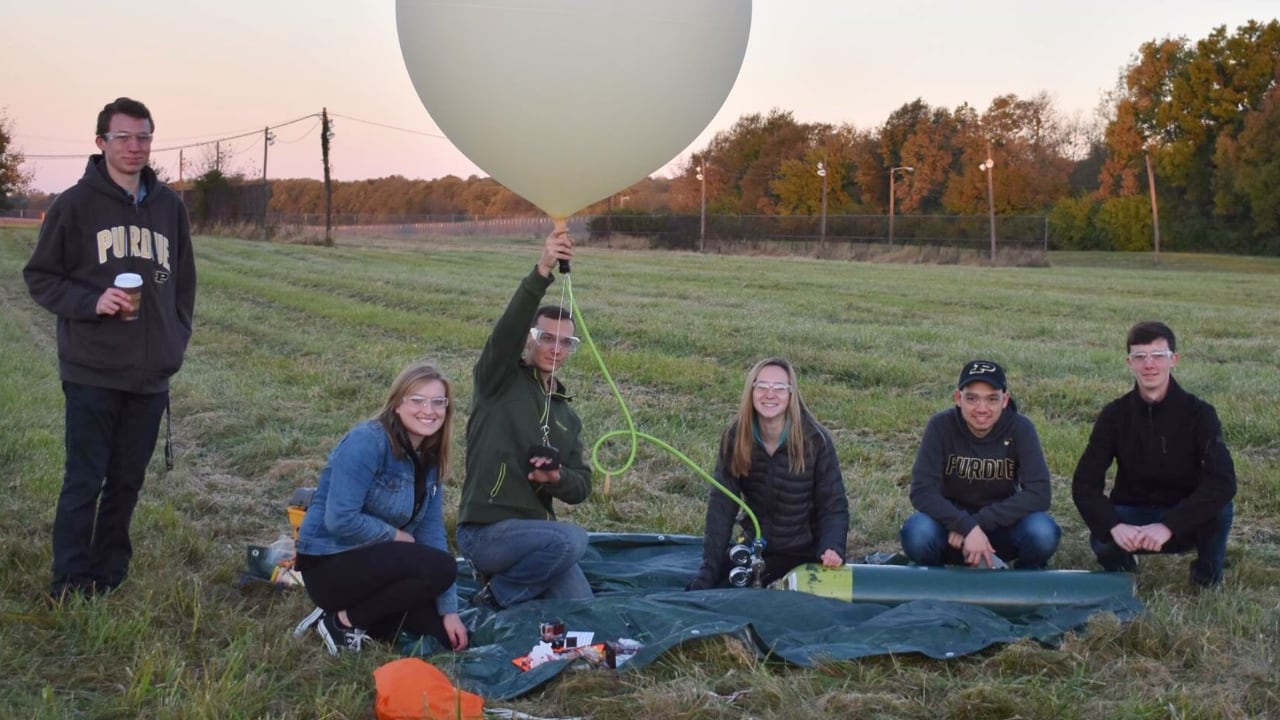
{"x": 777, "y": 387}
{"x": 124, "y": 138}
{"x": 973, "y": 399}
{"x": 546, "y": 339}
{"x": 1155, "y": 356}
{"x": 439, "y": 402}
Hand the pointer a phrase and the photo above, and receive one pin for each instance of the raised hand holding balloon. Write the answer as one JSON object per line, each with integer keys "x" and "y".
{"x": 566, "y": 102}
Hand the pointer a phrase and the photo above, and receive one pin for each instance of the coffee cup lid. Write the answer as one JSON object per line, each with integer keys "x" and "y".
{"x": 128, "y": 280}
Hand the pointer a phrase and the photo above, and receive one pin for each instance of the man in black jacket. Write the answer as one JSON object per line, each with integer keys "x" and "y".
{"x": 115, "y": 353}
{"x": 980, "y": 483}
{"x": 1174, "y": 476}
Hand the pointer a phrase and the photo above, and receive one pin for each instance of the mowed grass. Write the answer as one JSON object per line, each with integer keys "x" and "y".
{"x": 295, "y": 344}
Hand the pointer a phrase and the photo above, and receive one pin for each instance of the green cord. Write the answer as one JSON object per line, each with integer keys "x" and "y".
{"x": 631, "y": 431}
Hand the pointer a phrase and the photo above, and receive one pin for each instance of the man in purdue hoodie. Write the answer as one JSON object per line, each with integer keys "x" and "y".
{"x": 115, "y": 370}
{"x": 980, "y": 483}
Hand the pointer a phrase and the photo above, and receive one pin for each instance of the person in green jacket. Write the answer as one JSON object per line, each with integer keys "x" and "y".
{"x": 524, "y": 450}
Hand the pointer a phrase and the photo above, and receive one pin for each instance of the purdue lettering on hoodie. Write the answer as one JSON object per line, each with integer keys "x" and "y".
{"x": 93, "y": 232}
{"x": 962, "y": 480}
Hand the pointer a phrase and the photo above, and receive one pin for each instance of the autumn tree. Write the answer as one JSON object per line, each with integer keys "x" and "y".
{"x": 1185, "y": 107}
{"x": 1251, "y": 168}
{"x": 12, "y": 179}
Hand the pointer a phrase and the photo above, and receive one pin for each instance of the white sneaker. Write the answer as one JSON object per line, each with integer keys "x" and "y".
{"x": 307, "y": 623}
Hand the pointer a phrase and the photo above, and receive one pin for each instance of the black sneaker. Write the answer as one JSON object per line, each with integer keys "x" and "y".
{"x": 1202, "y": 578}
{"x": 1115, "y": 559}
{"x": 307, "y": 623}
{"x": 337, "y": 638}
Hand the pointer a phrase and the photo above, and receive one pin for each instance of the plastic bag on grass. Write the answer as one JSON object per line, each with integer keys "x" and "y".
{"x": 413, "y": 689}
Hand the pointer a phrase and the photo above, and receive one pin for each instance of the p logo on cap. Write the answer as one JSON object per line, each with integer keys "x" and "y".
{"x": 985, "y": 371}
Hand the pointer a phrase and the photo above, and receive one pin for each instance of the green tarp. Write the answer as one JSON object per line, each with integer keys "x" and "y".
{"x": 639, "y": 579}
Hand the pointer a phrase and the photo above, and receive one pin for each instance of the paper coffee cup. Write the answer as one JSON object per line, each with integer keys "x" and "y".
{"x": 131, "y": 283}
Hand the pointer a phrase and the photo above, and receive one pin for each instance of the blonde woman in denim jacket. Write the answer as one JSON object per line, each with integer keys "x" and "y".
{"x": 372, "y": 548}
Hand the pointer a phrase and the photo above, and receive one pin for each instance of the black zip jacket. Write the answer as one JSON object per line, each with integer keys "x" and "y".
{"x": 799, "y": 514}
{"x": 1168, "y": 454}
{"x": 93, "y": 232}
{"x": 994, "y": 481}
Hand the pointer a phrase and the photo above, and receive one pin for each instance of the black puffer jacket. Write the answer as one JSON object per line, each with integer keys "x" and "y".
{"x": 805, "y": 513}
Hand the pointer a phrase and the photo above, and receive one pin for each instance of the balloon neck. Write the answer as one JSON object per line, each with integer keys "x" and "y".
{"x": 561, "y": 227}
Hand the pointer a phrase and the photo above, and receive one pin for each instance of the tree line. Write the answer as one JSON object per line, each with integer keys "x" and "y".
{"x": 1198, "y": 120}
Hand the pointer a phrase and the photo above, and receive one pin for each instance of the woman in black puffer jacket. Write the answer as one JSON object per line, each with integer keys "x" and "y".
{"x": 778, "y": 459}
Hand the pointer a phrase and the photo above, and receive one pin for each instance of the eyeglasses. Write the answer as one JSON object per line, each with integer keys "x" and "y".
{"x": 143, "y": 138}
{"x": 546, "y": 339}
{"x": 761, "y": 386}
{"x": 974, "y": 399}
{"x": 1156, "y": 356}
{"x": 438, "y": 402}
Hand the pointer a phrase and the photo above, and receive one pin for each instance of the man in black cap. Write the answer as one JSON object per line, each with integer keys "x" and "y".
{"x": 980, "y": 484}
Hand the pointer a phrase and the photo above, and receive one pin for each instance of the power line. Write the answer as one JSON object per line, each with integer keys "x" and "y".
{"x": 389, "y": 127}
{"x": 301, "y": 137}
{"x": 171, "y": 148}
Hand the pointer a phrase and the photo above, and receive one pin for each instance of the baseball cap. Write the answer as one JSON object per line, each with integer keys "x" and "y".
{"x": 985, "y": 370}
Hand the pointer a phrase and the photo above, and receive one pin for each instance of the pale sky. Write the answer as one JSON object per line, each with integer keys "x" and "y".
{"x": 216, "y": 69}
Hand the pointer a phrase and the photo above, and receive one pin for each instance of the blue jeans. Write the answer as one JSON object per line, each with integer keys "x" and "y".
{"x": 1209, "y": 541}
{"x": 527, "y": 559}
{"x": 1031, "y": 541}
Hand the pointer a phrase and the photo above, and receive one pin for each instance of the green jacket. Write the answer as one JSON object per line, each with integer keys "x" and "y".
{"x": 507, "y": 405}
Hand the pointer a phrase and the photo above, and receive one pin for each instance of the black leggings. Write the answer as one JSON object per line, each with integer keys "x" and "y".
{"x": 385, "y": 588}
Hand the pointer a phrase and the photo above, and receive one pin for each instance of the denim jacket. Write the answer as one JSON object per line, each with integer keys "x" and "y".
{"x": 365, "y": 494}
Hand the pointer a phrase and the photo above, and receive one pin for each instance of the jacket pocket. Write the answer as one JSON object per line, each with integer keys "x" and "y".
{"x": 497, "y": 483}
{"x": 390, "y": 496}
{"x": 107, "y": 344}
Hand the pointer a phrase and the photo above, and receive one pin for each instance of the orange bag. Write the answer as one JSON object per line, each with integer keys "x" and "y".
{"x": 413, "y": 689}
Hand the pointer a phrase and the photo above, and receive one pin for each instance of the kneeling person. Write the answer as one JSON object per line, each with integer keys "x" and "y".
{"x": 1174, "y": 476}
{"x": 524, "y": 451}
{"x": 372, "y": 548}
{"x": 980, "y": 483}
{"x": 782, "y": 463}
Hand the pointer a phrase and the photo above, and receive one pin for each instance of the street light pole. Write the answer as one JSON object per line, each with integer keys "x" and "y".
{"x": 702, "y": 218}
{"x": 822, "y": 226}
{"x": 908, "y": 168}
{"x": 991, "y": 203}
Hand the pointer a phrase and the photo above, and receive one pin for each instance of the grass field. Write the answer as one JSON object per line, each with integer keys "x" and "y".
{"x": 295, "y": 344}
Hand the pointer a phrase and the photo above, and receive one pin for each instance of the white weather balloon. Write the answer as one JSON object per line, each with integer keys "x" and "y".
{"x": 568, "y": 101}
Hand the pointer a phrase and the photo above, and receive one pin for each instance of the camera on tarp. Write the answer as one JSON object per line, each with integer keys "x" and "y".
{"x": 553, "y": 633}
{"x": 746, "y": 558}
{"x": 740, "y": 564}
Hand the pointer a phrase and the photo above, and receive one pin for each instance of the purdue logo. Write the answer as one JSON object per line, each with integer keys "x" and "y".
{"x": 982, "y": 368}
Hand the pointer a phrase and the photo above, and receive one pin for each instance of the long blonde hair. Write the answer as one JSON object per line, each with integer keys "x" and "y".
{"x": 438, "y": 444}
{"x": 739, "y": 438}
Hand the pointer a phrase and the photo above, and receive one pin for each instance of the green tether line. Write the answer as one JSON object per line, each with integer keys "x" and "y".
{"x": 631, "y": 431}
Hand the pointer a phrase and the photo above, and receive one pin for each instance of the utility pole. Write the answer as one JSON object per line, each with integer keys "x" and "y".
{"x": 991, "y": 203}
{"x": 325, "y": 134}
{"x": 1155, "y": 212}
{"x": 267, "y": 140}
{"x": 893, "y": 194}
{"x": 702, "y": 217}
{"x": 822, "y": 224}
{"x": 217, "y": 156}
{"x": 181, "y": 165}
